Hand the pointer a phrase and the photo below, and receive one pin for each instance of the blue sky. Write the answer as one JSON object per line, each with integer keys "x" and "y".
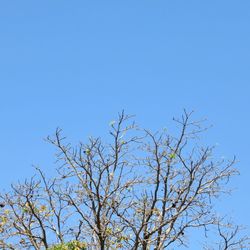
{"x": 75, "y": 64}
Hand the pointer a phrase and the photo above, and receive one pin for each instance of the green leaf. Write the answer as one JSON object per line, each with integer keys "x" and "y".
{"x": 172, "y": 156}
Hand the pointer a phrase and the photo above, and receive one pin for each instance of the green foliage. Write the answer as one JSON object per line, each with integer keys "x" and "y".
{"x": 72, "y": 245}
{"x": 172, "y": 156}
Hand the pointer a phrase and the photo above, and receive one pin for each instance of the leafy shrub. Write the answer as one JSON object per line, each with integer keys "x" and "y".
{"x": 72, "y": 245}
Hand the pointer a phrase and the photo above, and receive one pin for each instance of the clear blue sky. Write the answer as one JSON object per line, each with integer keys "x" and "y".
{"x": 75, "y": 64}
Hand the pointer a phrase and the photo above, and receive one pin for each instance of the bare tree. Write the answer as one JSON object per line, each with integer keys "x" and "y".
{"x": 141, "y": 190}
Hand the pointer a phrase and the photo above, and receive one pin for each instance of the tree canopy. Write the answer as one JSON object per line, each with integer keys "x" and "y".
{"x": 140, "y": 190}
